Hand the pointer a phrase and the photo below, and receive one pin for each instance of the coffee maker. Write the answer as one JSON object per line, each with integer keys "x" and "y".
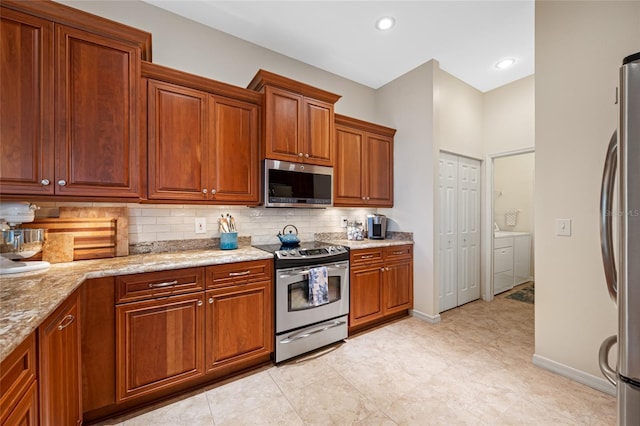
{"x": 376, "y": 226}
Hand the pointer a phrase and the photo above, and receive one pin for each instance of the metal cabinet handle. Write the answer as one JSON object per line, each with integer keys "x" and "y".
{"x": 387, "y": 269}
{"x": 364, "y": 198}
{"x": 213, "y": 191}
{"x": 382, "y": 269}
{"x": 66, "y": 322}
{"x": 204, "y": 191}
{"x": 211, "y": 300}
{"x": 62, "y": 182}
{"x": 165, "y": 284}
{"x": 299, "y": 154}
{"x": 200, "y": 303}
{"x": 397, "y": 252}
{"x": 45, "y": 182}
{"x": 366, "y": 257}
{"x": 239, "y": 274}
{"x": 368, "y": 198}
{"x": 306, "y": 156}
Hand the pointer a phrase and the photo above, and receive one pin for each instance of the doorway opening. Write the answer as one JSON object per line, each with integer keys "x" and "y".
{"x": 510, "y": 224}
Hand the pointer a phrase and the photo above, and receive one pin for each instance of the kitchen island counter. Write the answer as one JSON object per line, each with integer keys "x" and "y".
{"x": 27, "y": 299}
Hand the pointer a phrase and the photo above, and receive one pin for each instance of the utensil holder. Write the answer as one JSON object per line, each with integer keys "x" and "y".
{"x": 228, "y": 240}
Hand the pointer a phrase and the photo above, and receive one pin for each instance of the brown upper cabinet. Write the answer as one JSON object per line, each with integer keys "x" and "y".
{"x": 298, "y": 120}
{"x": 363, "y": 172}
{"x": 69, "y": 90}
{"x": 202, "y": 138}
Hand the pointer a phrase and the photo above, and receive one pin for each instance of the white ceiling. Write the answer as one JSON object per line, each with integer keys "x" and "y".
{"x": 466, "y": 37}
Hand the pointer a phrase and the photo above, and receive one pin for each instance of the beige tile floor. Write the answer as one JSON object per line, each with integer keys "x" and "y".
{"x": 473, "y": 368}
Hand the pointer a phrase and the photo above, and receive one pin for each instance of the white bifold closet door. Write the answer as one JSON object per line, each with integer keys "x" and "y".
{"x": 459, "y": 192}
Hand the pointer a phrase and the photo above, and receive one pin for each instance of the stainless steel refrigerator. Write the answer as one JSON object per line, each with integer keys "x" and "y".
{"x": 623, "y": 276}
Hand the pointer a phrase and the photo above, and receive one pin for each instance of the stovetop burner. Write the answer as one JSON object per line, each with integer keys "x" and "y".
{"x": 305, "y": 253}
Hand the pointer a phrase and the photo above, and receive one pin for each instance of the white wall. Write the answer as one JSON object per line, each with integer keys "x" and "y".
{"x": 408, "y": 104}
{"x": 513, "y": 181}
{"x": 195, "y": 48}
{"x": 460, "y": 115}
{"x": 579, "y": 49}
{"x": 509, "y": 117}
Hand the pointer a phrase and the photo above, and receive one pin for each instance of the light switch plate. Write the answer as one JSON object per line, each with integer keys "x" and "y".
{"x": 563, "y": 227}
{"x": 201, "y": 225}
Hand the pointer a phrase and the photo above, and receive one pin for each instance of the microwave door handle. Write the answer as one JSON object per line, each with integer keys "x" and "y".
{"x": 606, "y": 217}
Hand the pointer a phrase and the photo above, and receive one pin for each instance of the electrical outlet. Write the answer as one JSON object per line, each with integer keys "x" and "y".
{"x": 343, "y": 221}
{"x": 201, "y": 225}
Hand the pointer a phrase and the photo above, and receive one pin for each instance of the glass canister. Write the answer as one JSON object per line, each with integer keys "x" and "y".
{"x": 355, "y": 231}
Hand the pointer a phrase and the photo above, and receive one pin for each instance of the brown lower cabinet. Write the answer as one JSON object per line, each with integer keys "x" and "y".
{"x": 19, "y": 396}
{"x": 381, "y": 285}
{"x": 59, "y": 366}
{"x": 148, "y": 336}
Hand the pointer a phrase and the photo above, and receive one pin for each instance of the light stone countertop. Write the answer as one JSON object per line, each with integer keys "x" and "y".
{"x": 27, "y": 299}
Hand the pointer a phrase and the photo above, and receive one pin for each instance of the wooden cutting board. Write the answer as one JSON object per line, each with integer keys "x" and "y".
{"x": 93, "y": 238}
{"x": 121, "y": 214}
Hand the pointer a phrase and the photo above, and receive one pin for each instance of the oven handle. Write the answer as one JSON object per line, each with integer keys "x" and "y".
{"x": 309, "y": 333}
{"x": 306, "y": 271}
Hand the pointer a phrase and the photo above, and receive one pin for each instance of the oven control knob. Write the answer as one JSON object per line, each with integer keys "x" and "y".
{"x": 282, "y": 253}
{"x": 292, "y": 252}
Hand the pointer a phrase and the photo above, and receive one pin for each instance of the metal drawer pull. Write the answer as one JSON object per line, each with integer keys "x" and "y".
{"x": 366, "y": 257}
{"x": 160, "y": 285}
{"x": 238, "y": 274}
{"x": 399, "y": 252}
{"x": 66, "y": 322}
{"x": 311, "y": 332}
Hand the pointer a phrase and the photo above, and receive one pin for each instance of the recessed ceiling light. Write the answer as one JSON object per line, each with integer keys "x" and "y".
{"x": 385, "y": 23}
{"x": 505, "y": 63}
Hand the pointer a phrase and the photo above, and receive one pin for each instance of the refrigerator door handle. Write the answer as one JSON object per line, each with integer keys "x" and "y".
{"x": 606, "y": 216}
{"x": 603, "y": 359}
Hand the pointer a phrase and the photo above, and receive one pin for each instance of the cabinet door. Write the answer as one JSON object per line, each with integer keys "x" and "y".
{"x": 177, "y": 142}
{"x": 283, "y": 124}
{"x": 398, "y": 287}
{"x": 159, "y": 343}
{"x": 239, "y": 324}
{"x": 26, "y": 96}
{"x": 26, "y": 412}
{"x": 17, "y": 375}
{"x": 349, "y": 175}
{"x": 317, "y": 144}
{"x": 365, "y": 295}
{"x": 59, "y": 366}
{"x": 96, "y": 115}
{"x": 378, "y": 165}
{"x": 234, "y": 160}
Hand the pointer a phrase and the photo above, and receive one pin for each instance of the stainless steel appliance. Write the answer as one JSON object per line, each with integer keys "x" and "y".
{"x": 19, "y": 243}
{"x": 297, "y": 185}
{"x": 302, "y": 326}
{"x": 624, "y": 287}
{"x": 376, "y": 226}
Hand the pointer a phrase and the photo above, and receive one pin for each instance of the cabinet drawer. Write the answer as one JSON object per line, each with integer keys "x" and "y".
{"x": 502, "y": 259}
{"x": 503, "y": 242}
{"x": 17, "y": 371}
{"x": 398, "y": 252}
{"x": 502, "y": 281}
{"x": 158, "y": 284}
{"x": 365, "y": 256}
{"x": 239, "y": 273}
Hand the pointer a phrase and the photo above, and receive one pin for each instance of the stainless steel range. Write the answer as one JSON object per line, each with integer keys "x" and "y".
{"x": 302, "y": 322}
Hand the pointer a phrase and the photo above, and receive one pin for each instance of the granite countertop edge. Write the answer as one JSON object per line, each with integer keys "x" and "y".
{"x": 27, "y": 299}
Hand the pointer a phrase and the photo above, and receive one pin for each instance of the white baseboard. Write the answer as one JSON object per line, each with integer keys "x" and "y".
{"x": 433, "y": 319}
{"x": 579, "y": 376}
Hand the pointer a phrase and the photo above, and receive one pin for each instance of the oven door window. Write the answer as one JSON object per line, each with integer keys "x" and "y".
{"x": 298, "y": 293}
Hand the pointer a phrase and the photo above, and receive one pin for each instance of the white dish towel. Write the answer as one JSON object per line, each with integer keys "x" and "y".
{"x": 318, "y": 286}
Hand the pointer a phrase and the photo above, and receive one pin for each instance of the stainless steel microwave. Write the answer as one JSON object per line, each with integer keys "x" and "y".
{"x": 297, "y": 185}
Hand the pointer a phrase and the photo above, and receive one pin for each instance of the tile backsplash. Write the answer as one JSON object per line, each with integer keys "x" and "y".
{"x": 173, "y": 222}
